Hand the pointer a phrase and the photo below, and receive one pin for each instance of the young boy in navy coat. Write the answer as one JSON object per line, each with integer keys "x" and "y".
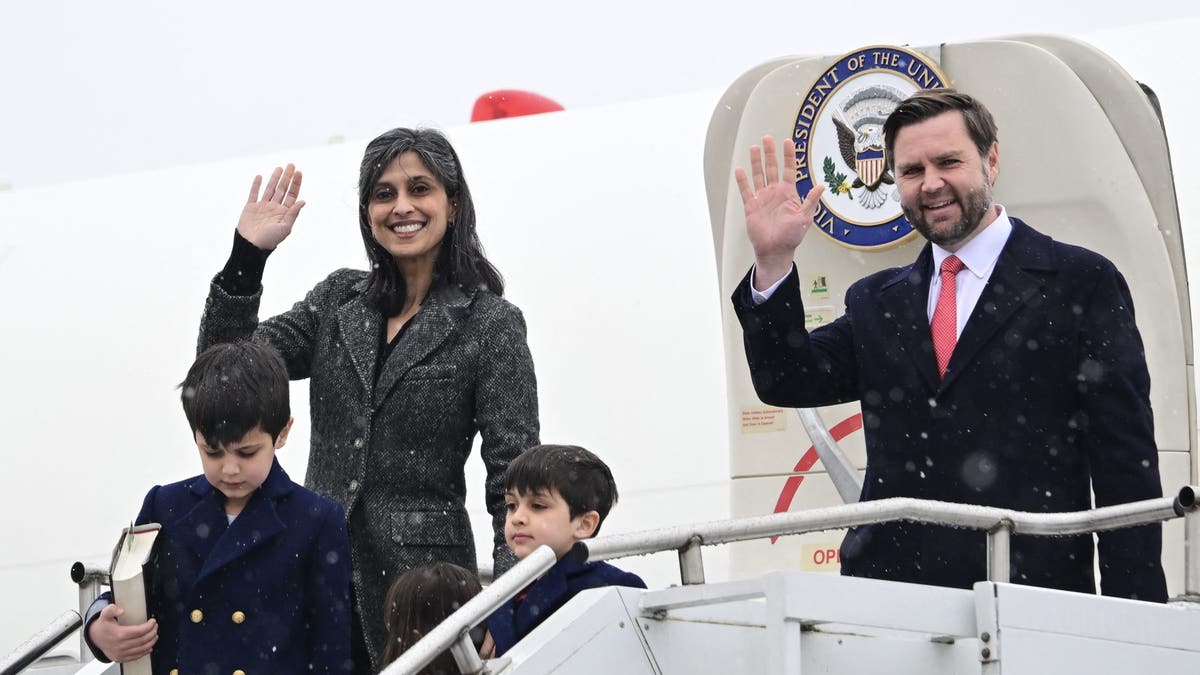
{"x": 555, "y": 495}
{"x": 252, "y": 573}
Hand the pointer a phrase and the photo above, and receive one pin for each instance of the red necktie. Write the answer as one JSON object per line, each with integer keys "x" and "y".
{"x": 945, "y": 316}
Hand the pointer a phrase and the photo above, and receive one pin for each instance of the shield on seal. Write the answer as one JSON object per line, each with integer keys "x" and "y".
{"x": 869, "y": 165}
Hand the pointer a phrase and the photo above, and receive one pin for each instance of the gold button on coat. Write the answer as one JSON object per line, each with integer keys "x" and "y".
{"x": 239, "y": 617}
{"x": 174, "y": 671}
{"x": 239, "y": 672}
{"x": 197, "y": 616}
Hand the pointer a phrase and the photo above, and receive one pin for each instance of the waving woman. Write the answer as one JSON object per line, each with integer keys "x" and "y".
{"x": 407, "y": 363}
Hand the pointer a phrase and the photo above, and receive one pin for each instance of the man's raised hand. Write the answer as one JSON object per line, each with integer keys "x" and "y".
{"x": 268, "y": 221}
{"x": 776, "y": 219}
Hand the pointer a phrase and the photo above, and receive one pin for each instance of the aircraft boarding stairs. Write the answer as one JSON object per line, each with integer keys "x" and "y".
{"x": 795, "y": 622}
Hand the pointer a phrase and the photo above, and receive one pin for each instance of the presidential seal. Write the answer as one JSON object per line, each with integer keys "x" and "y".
{"x": 839, "y": 143}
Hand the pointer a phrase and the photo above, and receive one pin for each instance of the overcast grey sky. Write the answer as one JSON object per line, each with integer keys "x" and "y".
{"x": 95, "y": 88}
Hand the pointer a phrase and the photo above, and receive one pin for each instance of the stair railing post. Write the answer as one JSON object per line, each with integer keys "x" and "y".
{"x": 1191, "y": 543}
{"x": 89, "y": 577}
{"x": 691, "y": 562}
{"x": 998, "y": 552}
{"x": 465, "y": 656}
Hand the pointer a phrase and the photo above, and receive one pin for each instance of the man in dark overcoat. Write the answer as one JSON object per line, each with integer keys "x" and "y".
{"x": 1001, "y": 368}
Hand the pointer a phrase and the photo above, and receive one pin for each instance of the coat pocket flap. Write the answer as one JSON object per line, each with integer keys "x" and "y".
{"x": 432, "y": 372}
{"x": 430, "y": 528}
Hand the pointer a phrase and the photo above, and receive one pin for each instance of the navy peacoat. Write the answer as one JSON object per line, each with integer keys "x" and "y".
{"x": 268, "y": 593}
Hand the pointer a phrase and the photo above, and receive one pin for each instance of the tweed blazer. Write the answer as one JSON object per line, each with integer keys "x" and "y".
{"x": 392, "y": 450}
{"x": 1046, "y": 399}
{"x": 268, "y": 593}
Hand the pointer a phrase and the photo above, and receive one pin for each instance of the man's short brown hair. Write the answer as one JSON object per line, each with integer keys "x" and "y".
{"x": 929, "y": 103}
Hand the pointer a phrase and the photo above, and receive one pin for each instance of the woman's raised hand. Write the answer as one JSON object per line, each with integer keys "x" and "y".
{"x": 776, "y": 219}
{"x": 268, "y": 221}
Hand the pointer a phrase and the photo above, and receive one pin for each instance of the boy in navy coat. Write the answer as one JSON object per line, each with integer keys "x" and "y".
{"x": 555, "y": 495}
{"x": 252, "y": 573}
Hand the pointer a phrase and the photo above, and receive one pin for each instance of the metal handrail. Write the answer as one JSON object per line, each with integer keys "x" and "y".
{"x": 40, "y": 642}
{"x": 688, "y": 541}
{"x": 453, "y": 632}
{"x": 997, "y": 522}
{"x": 89, "y": 577}
{"x": 877, "y": 511}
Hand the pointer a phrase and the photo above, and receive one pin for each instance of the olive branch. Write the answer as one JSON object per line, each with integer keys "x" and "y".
{"x": 836, "y": 181}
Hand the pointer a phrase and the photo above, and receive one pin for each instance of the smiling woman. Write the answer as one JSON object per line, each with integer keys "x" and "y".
{"x": 409, "y": 212}
{"x": 407, "y": 363}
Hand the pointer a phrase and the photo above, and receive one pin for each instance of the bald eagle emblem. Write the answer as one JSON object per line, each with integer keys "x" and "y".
{"x": 859, "y": 123}
{"x": 838, "y": 132}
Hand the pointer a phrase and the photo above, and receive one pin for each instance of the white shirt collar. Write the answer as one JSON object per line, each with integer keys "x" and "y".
{"x": 979, "y": 254}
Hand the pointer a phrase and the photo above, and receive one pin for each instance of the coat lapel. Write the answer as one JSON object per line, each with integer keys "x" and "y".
{"x": 544, "y": 595}
{"x": 201, "y": 527}
{"x": 360, "y": 327}
{"x": 444, "y": 309}
{"x": 1009, "y": 288}
{"x": 903, "y": 300}
{"x": 515, "y": 619}
{"x": 257, "y": 524}
{"x": 502, "y": 625}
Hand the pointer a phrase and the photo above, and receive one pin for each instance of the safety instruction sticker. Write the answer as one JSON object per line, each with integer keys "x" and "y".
{"x": 815, "y": 317}
{"x": 759, "y": 419}
{"x": 818, "y": 286}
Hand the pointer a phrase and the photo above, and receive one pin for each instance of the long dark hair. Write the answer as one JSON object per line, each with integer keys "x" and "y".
{"x": 461, "y": 260}
{"x": 418, "y": 601}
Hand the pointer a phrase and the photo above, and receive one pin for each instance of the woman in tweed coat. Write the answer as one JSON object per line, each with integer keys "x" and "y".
{"x": 407, "y": 363}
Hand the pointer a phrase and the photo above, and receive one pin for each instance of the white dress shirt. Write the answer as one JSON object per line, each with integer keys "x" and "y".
{"x": 979, "y": 257}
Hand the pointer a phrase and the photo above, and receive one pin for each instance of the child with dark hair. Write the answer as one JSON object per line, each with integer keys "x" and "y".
{"x": 555, "y": 495}
{"x": 418, "y": 601}
{"x": 253, "y": 571}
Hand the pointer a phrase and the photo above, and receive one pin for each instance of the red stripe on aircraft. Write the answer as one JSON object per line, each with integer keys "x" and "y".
{"x": 839, "y": 431}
